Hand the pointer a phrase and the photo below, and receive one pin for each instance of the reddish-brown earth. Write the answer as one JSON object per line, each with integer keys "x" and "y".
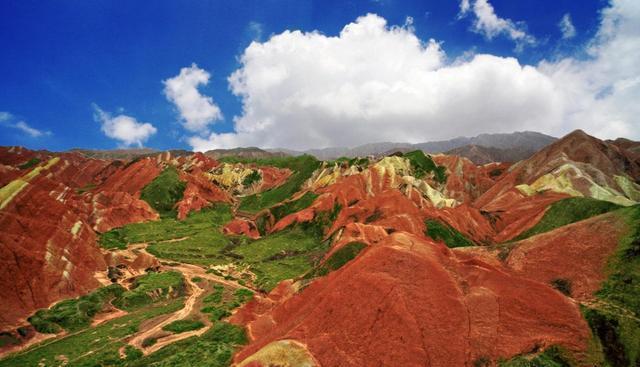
{"x": 199, "y": 193}
{"x": 404, "y": 300}
{"x": 409, "y": 301}
{"x": 577, "y": 252}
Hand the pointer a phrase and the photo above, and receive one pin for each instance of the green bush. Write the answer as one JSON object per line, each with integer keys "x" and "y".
{"x": 338, "y": 259}
{"x": 290, "y": 207}
{"x": 180, "y": 326}
{"x": 302, "y": 167}
{"x": 562, "y": 285}
{"x": 30, "y": 163}
{"x": 422, "y": 164}
{"x": 170, "y": 284}
{"x": 214, "y": 348}
{"x": 450, "y": 236}
{"x": 164, "y": 191}
{"x": 74, "y": 314}
{"x": 147, "y": 342}
{"x": 252, "y": 177}
{"x": 553, "y": 356}
{"x": 567, "y": 211}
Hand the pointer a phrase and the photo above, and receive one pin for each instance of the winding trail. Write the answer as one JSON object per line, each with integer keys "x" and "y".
{"x": 195, "y": 292}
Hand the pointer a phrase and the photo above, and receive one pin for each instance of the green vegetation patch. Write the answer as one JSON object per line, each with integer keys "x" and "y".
{"x": 552, "y": 357}
{"x": 422, "y": 165}
{"x": 302, "y": 167}
{"x": 252, "y": 177}
{"x": 222, "y": 301}
{"x": 443, "y": 232}
{"x": 164, "y": 191}
{"x": 615, "y": 322}
{"x": 200, "y": 232}
{"x": 180, "y": 326}
{"x": 97, "y": 346}
{"x": 30, "y": 163}
{"x": 283, "y": 255}
{"x": 290, "y": 207}
{"x": 74, "y": 314}
{"x": 214, "y": 348}
{"x": 338, "y": 259}
{"x": 567, "y": 211}
{"x": 150, "y": 288}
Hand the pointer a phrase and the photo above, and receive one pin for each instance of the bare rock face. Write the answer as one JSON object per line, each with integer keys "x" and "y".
{"x": 199, "y": 193}
{"x": 48, "y": 249}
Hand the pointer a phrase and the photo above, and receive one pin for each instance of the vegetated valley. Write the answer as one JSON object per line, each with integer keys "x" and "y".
{"x": 406, "y": 259}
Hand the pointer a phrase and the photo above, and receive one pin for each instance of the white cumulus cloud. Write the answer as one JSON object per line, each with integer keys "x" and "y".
{"x": 375, "y": 82}
{"x": 123, "y": 128}
{"x": 197, "y": 111}
{"x": 602, "y": 91}
{"x": 487, "y": 23}
{"x": 8, "y": 120}
{"x": 566, "y": 27}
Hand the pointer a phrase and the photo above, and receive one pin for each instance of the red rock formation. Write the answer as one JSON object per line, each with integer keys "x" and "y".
{"x": 466, "y": 181}
{"x": 48, "y": 251}
{"x": 407, "y": 300}
{"x": 241, "y": 226}
{"x": 577, "y": 252}
{"x": 116, "y": 209}
{"x": 199, "y": 193}
{"x": 273, "y": 177}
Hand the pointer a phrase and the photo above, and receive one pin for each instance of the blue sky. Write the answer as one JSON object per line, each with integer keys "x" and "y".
{"x": 63, "y": 58}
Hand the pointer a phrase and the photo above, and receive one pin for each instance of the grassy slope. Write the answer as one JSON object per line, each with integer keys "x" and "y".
{"x": 91, "y": 347}
{"x": 615, "y": 323}
{"x": 338, "y": 259}
{"x": 203, "y": 227}
{"x": 302, "y": 167}
{"x": 450, "y": 236}
{"x": 568, "y": 211}
{"x": 164, "y": 191}
{"x": 213, "y": 349}
{"x": 165, "y": 285}
{"x": 283, "y": 255}
{"x": 76, "y": 313}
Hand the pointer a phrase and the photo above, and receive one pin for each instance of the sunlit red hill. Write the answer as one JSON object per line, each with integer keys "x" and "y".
{"x": 419, "y": 260}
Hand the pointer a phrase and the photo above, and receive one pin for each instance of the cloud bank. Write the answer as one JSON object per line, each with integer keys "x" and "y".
{"x": 197, "y": 112}
{"x": 126, "y": 129}
{"x": 375, "y": 82}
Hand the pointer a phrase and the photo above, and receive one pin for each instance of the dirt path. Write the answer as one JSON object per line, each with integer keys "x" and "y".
{"x": 137, "y": 340}
{"x": 189, "y": 272}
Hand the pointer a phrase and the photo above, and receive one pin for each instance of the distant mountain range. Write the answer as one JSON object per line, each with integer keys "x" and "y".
{"x": 480, "y": 149}
{"x": 522, "y": 143}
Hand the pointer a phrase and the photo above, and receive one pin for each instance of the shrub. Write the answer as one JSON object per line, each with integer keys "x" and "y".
{"x": 147, "y": 342}
{"x": 422, "y": 164}
{"x": 302, "y": 166}
{"x": 562, "y": 285}
{"x": 74, "y": 314}
{"x": 442, "y": 232}
{"x": 180, "y": 326}
{"x": 252, "y": 177}
{"x": 30, "y": 163}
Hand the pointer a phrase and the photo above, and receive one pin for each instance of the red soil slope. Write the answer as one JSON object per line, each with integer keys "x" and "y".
{"x": 408, "y": 301}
